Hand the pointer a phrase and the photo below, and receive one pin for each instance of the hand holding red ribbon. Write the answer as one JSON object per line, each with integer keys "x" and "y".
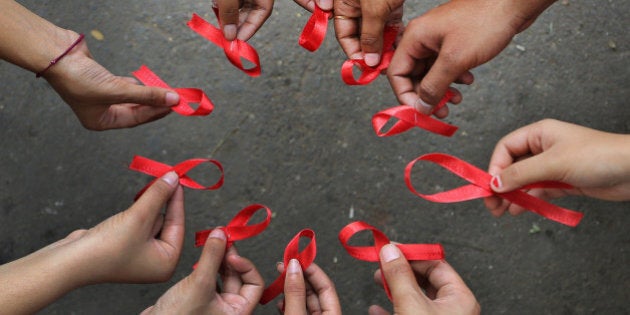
{"x": 480, "y": 187}
{"x": 157, "y": 169}
{"x": 186, "y": 95}
{"x": 314, "y": 31}
{"x": 234, "y": 50}
{"x": 304, "y": 257}
{"x": 238, "y": 229}
{"x": 371, "y": 253}
{"x": 370, "y": 74}
{"x": 408, "y": 117}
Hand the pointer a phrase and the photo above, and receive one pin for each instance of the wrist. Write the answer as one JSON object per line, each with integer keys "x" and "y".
{"x": 524, "y": 13}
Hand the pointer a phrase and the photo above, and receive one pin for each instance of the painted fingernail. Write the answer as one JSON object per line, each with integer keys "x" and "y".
{"x": 372, "y": 59}
{"x": 294, "y": 266}
{"x": 389, "y": 252}
{"x": 423, "y": 107}
{"x": 496, "y": 182}
{"x": 170, "y": 178}
{"x": 229, "y": 31}
{"x": 217, "y": 233}
{"x": 172, "y": 98}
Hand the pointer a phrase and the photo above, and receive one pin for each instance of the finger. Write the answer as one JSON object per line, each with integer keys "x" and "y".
{"x": 129, "y": 115}
{"x": 228, "y": 14}
{"x": 173, "y": 229}
{"x": 210, "y": 261}
{"x": 448, "y": 67}
{"x": 346, "y": 21}
{"x": 308, "y": 5}
{"x": 325, "y": 5}
{"x": 128, "y": 92}
{"x": 541, "y": 167}
{"x": 401, "y": 280}
{"x": 294, "y": 289}
{"x": 252, "y": 283}
{"x": 148, "y": 207}
{"x": 496, "y": 205}
{"x": 377, "y": 310}
{"x": 231, "y": 280}
{"x": 328, "y": 300}
{"x": 255, "y": 19}
{"x": 372, "y": 24}
{"x": 442, "y": 277}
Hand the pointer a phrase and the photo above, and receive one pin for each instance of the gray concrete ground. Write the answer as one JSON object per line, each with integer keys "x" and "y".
{"x": 300, "y": 141}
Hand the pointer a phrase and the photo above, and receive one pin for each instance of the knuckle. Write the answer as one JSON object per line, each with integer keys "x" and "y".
{"x": 430, "y": 91}
{"x": 368, "y": 39}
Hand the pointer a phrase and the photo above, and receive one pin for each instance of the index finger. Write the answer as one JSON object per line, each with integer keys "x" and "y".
{"x": 440, "y": 275}
{"x": 325, "y": 289}
{"x": 173, "y": 226}
{"x": 254, "y": 19}
{"x": 346, "y": 20}
{"x": 210, "y": 261}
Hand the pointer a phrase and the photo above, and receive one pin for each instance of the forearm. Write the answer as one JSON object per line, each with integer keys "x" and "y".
{"x": 33, "y": 282}
{"x": 28, "y": 40}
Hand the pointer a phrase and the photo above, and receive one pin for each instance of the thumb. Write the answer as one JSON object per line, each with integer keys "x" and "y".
{"x": 401, "y": 280}
{"x": 148, "y": 95}
{"x": 531, "y": 170}
{"x": 325, "y": 5}
{"x": 152, "y": 201}
{"x": 372, "y": 26}
{"x": 294, "y": 289}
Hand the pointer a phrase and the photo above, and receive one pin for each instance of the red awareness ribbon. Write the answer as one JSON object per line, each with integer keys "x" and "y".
{"x": 186, "y": 95}
{"x": 370, "y": 74}
{"x": 157, "y": 169}
{"x": 480, "y": 187}
{"x": 238, "y": 229}
{"x": 304, "y": 257}
{"x": 408, "y": 117}
{"x": 234, "y": 50}
{"x": 371, "y": 253}
{"x": 315, "y": 29}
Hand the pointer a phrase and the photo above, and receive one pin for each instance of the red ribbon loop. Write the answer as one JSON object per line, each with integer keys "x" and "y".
{"x": 234, "y": 50}
{"x": 186, "y": 95}
{"x": 157, "y": 169}
{"x": 370, "y": 74}
{"x": 314, "y": 31}
{"x": 238, "y": 229}
{"x": 408, "y": 117}
{"x": 305, "y": 257}
{"x": 480, "y": 187}
{"x": 371, "y": 253}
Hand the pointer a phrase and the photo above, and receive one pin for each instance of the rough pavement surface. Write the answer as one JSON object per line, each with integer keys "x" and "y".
{"x": 300, "y": 141}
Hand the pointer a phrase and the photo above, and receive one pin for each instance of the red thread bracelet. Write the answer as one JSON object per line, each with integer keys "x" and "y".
{"x": 54, "y": 61}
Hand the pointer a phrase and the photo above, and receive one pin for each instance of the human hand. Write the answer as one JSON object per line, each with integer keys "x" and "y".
{"x": 359, "y": 26}
{"x": 446, "y": 292}
{"x": 308, "y": 292}
{"x": 442, "y": 46}
{"x": 102, "y": 100}
{"x": 241, "y": 19}
{"x": 198, "y": 293}
{"x": 595, "y": 163}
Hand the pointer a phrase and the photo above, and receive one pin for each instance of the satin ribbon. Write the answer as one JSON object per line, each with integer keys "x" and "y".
{"x": 186, "y": 95}
{"x": 304, "y": 257}
{"x": 371, "y": 253}
{"x": 157, "y": 169}
{"x": 408, "y": 117}
{"x": 370, "y": 74}
{"x": 314, "y": 31}
{"x": 234, "y": 50}
{"x": 480, "y": 187}
{"x": 238, "y": 229}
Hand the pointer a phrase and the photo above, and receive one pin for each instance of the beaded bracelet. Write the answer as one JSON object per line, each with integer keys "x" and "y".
{"x": 54, "y": 61}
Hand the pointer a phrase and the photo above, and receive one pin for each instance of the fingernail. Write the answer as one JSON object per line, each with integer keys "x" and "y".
{"x": 496, "y": 183}
{"x": 229, "y": 31}
{"x": 294, "y": 266}
{"x": 372, "y": 59}
{"x": 389, "y": 252}
{"x": 423, "y": 107}
{"x": 172, "y": 98}
{"x": 217, "y": 233}
{"x": 170, "y": 178}
{"x": 326, "y": 4}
